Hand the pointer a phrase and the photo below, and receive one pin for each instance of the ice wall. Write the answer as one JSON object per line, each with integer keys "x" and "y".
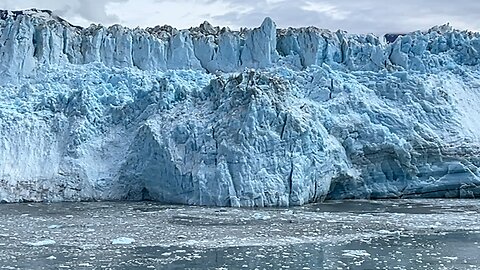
{"x": 33, "y": 39}
{"x": 257, "y": 117}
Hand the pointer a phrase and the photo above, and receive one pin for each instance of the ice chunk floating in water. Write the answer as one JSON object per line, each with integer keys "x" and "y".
{"x": 42, "y": 243}
{"x": 209, "y": 116}
{"x": 123, "y": 241}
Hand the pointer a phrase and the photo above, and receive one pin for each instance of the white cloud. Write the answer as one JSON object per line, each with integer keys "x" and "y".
{"x": 76, "y": 11}
{"x": 329, "y": 10}
{"x": 180, "y": 14}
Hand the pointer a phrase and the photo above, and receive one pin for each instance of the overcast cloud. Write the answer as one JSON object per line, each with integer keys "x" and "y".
{"x": 377, "y": 16}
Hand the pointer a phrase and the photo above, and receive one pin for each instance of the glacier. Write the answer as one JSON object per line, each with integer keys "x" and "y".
{"x": 256, "y": 117}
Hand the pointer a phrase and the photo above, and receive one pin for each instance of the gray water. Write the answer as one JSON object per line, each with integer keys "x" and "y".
{"x": 408, "y": 234}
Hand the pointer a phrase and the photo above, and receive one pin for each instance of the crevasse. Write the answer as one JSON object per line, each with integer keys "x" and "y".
{"x": 257, "y": 117}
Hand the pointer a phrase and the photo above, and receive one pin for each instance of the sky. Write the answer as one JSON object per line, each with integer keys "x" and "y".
{"x": 355, "y": 16}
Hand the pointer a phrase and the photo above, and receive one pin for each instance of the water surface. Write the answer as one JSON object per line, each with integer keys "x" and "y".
{"x": 408, "y": 234}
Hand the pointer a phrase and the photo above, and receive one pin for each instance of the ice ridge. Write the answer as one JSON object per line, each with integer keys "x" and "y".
{"x": 40, "y": 38}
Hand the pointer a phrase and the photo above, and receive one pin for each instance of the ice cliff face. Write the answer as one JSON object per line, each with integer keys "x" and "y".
{"x": 209, "y": 116}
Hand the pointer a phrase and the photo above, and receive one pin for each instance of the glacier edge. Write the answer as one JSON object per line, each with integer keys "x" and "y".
{"x": 258, "y": 117}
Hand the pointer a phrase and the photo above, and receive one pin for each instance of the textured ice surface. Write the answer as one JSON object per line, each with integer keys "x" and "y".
{"x": 209, "y": 116}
